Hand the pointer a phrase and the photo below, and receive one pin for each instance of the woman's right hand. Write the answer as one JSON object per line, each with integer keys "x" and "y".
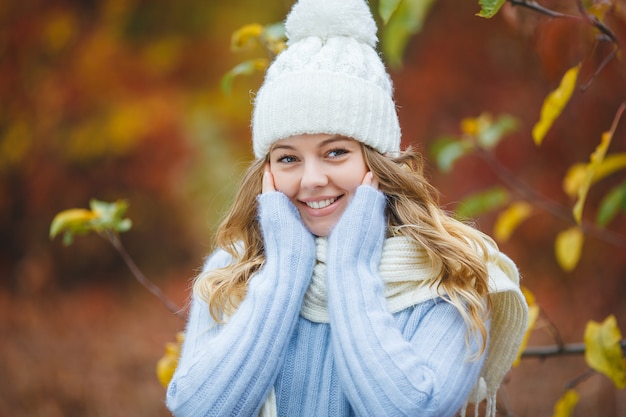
{"x": 268, "y": 180}
{"x": 282, "y": 227}
{"x": 229, "y": 369}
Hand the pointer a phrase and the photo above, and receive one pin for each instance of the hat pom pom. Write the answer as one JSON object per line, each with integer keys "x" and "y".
{"x": 331, "y": 18}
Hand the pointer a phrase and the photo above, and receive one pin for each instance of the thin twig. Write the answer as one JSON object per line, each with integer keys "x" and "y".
{"x": 533, "y": 5}
{"x": 602, "y": 65}
{"x": 527, "y": 193}
{"x": 139, "y": 276}
{"x": 554, "y": 331}
{"x": 606, "y": 33}
{"x": 595, "y": 22}
{"x": 580, "y": 379}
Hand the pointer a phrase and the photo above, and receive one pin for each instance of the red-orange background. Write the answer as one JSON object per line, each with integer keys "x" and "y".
{"x": 120, "y": 99}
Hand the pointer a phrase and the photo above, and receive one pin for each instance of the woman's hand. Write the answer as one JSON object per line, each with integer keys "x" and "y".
{"x": 268, "y": 180}
{"x": 277, "y": 216}
{"x": 359, "y": 234}
{"x": 370, "y": 180}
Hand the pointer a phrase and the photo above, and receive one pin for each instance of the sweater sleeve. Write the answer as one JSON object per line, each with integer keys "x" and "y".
{"x": 382, "y": 370}
{"x": 228, "y": 370}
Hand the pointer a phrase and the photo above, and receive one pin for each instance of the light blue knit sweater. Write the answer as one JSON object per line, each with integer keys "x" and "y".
{"x": 365, "y": 362}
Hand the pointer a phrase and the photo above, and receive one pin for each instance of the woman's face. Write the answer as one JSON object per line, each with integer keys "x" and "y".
{"x": 319, "y": 173}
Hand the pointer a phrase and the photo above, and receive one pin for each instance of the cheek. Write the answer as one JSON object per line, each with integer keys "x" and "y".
{"x": 285, "y": 183}
{"x": 353, "y": 177}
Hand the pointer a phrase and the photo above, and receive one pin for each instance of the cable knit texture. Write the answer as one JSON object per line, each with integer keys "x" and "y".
{"x": 354, "y": 344}
{"x": 329, "y": 80}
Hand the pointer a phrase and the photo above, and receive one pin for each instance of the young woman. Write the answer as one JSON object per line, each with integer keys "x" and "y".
{"x": 338, "y": 286}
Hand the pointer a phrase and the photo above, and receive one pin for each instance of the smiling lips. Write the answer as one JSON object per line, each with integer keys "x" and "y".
{"x": 321, "y": 203}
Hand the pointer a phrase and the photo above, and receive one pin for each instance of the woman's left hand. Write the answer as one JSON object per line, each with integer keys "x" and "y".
{"x": 360, "y": 232}
{"x": 370, "y": 179}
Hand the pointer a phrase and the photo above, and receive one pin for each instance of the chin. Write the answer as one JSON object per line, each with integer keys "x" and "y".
{"x": 320, "y": 230}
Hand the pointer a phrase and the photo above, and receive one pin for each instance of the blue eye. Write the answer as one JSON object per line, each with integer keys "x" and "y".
{"x": 335, "y": 153}
{"x": 286, "y": 159}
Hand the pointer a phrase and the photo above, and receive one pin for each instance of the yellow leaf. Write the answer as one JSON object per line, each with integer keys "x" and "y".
{"x": 470, "y": 126}
{"x": 596, "y": 160}
{"x": 246, "y": 36}
{"x": 72, "y": 219}
{"x": 554, "y": 104}
{"x": 599, "y": 8}
{"x": 166, "y": 366}
{"x": 574, "y": 178}
{"x": 603, "y": 351}
{"x": 576, "y": 173}
{"x": 609, "y": 165}
{"x": 510, "y": 219}
{"x": 565, "y": 406}
{"x": 568, "y": 247}
{"x": 533, "y": 314}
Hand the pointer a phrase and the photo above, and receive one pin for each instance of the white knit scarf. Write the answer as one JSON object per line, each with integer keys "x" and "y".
{"x": 407, "y": 274}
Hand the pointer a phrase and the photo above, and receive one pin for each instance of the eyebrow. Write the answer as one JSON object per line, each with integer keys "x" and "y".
{"x": 322, "y": 144}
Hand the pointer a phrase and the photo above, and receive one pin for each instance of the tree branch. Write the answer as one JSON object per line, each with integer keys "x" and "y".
{"x": 533, "y": 5}
{"x": 543, "y": 352}
{"x": 139, "y": 276}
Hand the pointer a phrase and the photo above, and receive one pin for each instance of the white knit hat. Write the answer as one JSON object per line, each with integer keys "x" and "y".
{"x": 329, "y": 79}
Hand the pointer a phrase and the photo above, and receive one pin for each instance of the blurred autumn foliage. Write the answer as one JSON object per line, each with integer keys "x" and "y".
{"x": 113, "y": 99}
{"x": 121, "y": 99}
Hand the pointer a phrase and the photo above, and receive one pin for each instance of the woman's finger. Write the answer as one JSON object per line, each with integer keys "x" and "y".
{"x": 370, "y": 180}
{"x": 268, "y": 180}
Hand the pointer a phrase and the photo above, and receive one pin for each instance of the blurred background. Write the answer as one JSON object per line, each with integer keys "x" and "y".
{"x": 121, "y": 99}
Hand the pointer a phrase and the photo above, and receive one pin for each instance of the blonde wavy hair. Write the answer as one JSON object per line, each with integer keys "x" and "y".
{"x": 413, "y": 210}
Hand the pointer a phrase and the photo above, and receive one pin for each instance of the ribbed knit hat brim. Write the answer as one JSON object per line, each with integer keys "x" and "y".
{"x": 312, "y": 102}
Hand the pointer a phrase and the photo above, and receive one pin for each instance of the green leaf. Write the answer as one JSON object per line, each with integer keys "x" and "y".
{"x": 245, "y": 68}
{"x": 611, "y": 204}
{"x": 386, "y": 8}
{"x": 407, "y": 20}
{"x": 274, "y": 38}
{"x": 102, "y": 216}
{"x": 274, "y": 32}
{"x": 445, "y": 151}
{"x": 491, "y": 134}
{"x": 489, "y": 8}
{"x": 482, "y": 202}
{"x": 109, "y": 216}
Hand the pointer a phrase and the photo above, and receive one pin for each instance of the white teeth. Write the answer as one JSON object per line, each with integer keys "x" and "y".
{"x": 321, "y": 204}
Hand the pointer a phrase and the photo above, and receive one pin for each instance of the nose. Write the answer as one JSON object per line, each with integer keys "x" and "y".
{"x": 313, "y": 175}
